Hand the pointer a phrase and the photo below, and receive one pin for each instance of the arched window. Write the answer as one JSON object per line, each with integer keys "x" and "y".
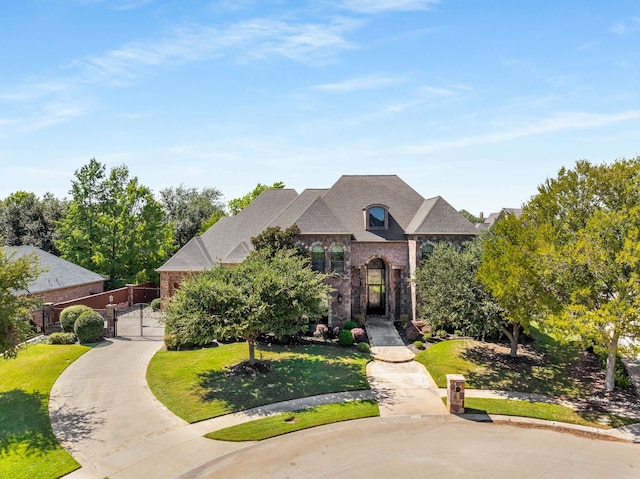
{"x": 317, "y": 258}
{"x": 337, "y": 259}
{"x": 376, "y": 217}
{"x": 427, "y": 249}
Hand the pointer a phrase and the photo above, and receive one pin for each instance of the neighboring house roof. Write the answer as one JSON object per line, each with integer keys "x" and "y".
{"x": 490, "y": 220}
{"x": 57, "y": 273}
{"x": 338, "y": 210}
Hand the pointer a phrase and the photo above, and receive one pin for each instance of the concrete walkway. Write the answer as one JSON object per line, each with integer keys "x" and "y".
{"x": 402, "y": 386}
{"x": 386, "y": 343}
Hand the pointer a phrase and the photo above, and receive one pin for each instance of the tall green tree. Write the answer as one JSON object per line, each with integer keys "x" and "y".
{"x": 509, "y": 269}
{"x": 114, "y": 226}
{"x": 188, "y": 209}
{"x": 451, "y": 297}
{"x": 16, "y": 274}
{"x": 265, "y": 294}
{"x": 238, "y": 204}
{"x": 26, "y": 219}
{"x": 589, "y": 254}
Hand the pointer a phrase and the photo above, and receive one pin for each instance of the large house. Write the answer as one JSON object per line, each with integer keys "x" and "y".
{"x": 369, "y": 233}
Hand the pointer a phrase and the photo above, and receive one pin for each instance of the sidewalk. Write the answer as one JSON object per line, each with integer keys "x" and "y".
{"x": 386, "y": 344}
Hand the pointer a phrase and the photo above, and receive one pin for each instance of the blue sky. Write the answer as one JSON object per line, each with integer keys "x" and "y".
{"x": 476, "y": 101}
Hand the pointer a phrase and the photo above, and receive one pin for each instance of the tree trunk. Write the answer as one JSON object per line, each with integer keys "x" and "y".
{"x": 252, "y": 351}
{"x": 612, "y": 355}
{"x": 514, "y": 336}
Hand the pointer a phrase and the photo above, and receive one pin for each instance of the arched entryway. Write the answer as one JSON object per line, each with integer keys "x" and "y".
{"x": 376, "y": 287}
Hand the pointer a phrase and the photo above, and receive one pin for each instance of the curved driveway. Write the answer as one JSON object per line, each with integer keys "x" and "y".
{"x": 104, "y": 414}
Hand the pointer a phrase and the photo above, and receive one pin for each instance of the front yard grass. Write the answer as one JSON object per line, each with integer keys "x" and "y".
{"x": 28, "y": 447}
{"x": 198, "y": 385}
{"x": 546, "y": 367}
{"x": 296, "y": 421}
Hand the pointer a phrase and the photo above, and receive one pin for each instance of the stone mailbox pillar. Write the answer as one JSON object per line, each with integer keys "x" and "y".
{"x": 112, "y": 332}
{"x": 455, "y": 393}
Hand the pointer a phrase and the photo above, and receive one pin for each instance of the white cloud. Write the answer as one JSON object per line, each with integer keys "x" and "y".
{"x": 363, "y": 83}
{"x": 627, "y": 26}
{"x": 558, "y": 122}
{"x": 376, "y": 6}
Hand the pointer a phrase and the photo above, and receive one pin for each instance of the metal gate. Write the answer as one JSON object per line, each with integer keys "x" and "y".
{"x": 139, "y": 320}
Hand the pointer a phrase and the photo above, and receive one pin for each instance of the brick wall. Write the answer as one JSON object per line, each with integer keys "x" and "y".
{"x": 73, "y": 292}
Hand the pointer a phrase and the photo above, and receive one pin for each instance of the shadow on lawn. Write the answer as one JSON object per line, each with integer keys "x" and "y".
{"x": 24, "y": 423}
{"x": 530, "y": 371}
{"x": 288, "y": 378}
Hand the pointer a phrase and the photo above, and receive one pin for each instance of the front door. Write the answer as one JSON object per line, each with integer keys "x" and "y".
{"x": 376, "y": 287}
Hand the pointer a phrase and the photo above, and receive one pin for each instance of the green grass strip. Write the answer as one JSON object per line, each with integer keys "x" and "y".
{"x": 296, "y": 421}
{"x": 28, "y": 447}
{"x": 546, "y": 411}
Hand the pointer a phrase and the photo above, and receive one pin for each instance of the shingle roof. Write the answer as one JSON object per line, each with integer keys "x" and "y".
{"x": 338, "y": 210}
{"x": 58, "y": 273}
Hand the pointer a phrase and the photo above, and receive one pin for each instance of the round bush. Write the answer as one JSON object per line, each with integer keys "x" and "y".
{"x": 359, "y": 335}
{"x": 61, "y": 338}
{"x": 156, "y": 304}
{"x": 345, "y": 338}
{"x": 418, "y": 344}
{"x": 69, "y": 315}
{"x": 364, "y": 347}
{"x": 349, "y": 325}
{"x": 89, "y": 327}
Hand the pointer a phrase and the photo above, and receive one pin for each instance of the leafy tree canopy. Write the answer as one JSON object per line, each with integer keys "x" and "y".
{"x": 27, "y": 220}
{"x": 450, "y": 297}
{"x": 274, "y": 239}
{"x": 265, "y": 294}
{"x": 16, "y": 274}
{"x": 188, "y": 209}
{"x": 238, "y": 204}
{"x": 114, "y": 226}
{"x": 574, "y": 257}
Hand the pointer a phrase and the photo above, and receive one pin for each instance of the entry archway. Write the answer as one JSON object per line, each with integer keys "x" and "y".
{"x": 376, "y": 287}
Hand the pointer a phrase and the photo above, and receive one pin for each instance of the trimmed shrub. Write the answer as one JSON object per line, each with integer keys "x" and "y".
{"x": 89, "y": 327}
{"x": 418, "y": 344}
{"x": 441, "y": 334}
{"x": 345, "y": 338}
{"x": 363, "y": 347}
{"x": 171, "y": 342}
{"x": 69, "y": 315}
{"x": 359, "y": 335}
{"x": 61, "y": 338}
{"x": 349, "y": 325}
{"x": 156, "y": 304}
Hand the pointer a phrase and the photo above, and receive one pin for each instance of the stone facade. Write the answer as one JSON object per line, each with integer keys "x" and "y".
{"x": 170, "y": 281}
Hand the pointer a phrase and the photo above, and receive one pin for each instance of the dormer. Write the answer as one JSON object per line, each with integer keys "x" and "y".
{"x": 376, "y": 217}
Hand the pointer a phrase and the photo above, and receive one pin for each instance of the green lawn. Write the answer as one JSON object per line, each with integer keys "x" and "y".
{"x": 550, "y": 369}
{"x": 28, "y": 448}
{"x": 546, "y": 411}
{"x": 296, "y": 421}
{"x": 196, "y": 385}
